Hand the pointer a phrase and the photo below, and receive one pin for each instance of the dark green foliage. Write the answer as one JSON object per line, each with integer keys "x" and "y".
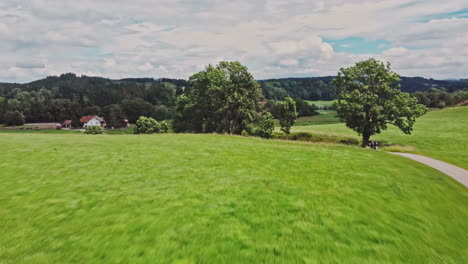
{"x": 3, "y": 109}
{"x": 440, "y": 98}
{"x": 318, "y": 88}
{"x": 92, "y": 110}
{"x": 322, "y": 88}
{"x": 221, "y": 98}
{"x": 70, "y": 97}
{"x": 266, "y": 125}
{"x": 162, "y": 112}
{"x": 369, "y": 99}
{"x": 415, "y": 84}
{"x": 148, "y": 125}
{"x": 114, "y": 116}
{"x": 14, "y": 118}
{"x": 93, "y": 130}
{"x": 136, "y": 107}
{"x": 287, "y": 114}
{"x": 304, "y": 108}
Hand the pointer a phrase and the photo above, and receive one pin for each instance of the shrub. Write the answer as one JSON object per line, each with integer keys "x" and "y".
{"x": 310, "y": 137}
{"x": 266, "y": 126}
{"x": 287, "y": 115}
{"x": 163, "y": 126}
{"x": 146, "y": 125}
{"x": 93, "y": 130}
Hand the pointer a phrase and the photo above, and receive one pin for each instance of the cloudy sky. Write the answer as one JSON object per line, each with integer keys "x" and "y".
{"x": 274, "y": 38}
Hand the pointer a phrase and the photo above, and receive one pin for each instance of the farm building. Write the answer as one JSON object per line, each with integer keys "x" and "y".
{"x": 93, "y": 121}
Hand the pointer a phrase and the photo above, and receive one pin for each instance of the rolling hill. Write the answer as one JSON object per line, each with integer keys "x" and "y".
{"x": 221, "y": 199}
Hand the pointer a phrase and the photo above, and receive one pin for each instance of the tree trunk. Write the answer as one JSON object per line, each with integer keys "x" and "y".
{"x": 365, "y": 140}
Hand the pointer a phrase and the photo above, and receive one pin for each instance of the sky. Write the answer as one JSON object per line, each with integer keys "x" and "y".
{"x": 274, "y": 39}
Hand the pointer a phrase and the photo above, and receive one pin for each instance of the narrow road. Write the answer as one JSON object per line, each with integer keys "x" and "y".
{"x": 459, "y": 174}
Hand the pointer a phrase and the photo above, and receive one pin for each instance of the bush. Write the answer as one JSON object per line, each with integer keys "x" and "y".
{"x": 148, "y": 125}
{"x": 93, "y": 130}
{"x": 310, "y": 137}
{"x": 163, "y": 126}
{"x": 266, "y": 126}
{"x": 14, "y": 118}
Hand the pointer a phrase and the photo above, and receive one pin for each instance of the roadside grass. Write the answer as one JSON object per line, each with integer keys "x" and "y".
{"x": 440, "y": 134}
{"x": 221, "y": 199}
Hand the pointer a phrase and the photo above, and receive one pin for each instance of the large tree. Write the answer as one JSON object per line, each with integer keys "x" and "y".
{"x": 133, "y": 108}
{"x": 221, "y": 98}
{"x": 114, "y": 116}
{"x": 370, "y": 99}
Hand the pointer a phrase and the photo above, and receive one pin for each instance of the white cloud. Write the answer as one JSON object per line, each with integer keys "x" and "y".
{"x": 275, "y": 38}
{"x": 145, "y": 67}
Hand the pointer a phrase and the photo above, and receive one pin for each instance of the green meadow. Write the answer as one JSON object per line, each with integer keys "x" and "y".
{"x": 324, "y": 117}
{"x": 440, "y": 134}
{"x": 181, "y": 198}
{"x": 321, "y": 103}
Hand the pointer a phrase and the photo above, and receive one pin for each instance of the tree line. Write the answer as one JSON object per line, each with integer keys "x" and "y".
{"x": 323, "y": 88}
{"x": 440, "y": 97}
{"x": 64, "y": 97}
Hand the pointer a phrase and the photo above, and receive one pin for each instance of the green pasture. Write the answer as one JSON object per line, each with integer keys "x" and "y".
{"x": 185, "y": 198}
{"x": 440, "y": 134}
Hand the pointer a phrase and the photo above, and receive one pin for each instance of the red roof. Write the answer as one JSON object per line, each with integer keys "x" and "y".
{"x": 85, "y": 119}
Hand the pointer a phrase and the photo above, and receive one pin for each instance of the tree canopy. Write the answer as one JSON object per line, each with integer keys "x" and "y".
{"x": 370, "y": 99}
{"x": 221, "y": 98}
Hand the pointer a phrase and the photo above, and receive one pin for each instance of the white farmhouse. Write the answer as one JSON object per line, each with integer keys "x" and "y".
{"x": 92, "y": 121}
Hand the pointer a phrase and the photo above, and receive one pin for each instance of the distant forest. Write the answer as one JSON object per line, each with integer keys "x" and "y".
{"x": 58, "y": 98}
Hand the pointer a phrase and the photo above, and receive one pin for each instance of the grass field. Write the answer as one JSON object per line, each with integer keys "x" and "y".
{"x": 220, "y": 199}
{"x": 321, "y": 103}
{"x": 440, "y": 134}
{"x": 325, "y": 117}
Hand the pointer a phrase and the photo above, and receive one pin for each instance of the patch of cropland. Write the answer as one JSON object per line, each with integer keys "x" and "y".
{"x": 440, "y": 134}
{"x": 220, "y": 199}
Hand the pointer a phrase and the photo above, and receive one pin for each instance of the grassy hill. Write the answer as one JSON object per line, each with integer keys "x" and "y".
{"x": 440, "y": 134}
{"x": 219, "y": 199}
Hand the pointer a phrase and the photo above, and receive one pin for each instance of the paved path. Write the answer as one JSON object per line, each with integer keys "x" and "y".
{"x": 459, "y": 174}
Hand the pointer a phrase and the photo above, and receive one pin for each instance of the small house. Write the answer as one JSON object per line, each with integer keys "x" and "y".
{"x": 93, "y": 120}
{"x": 67, "y": 123}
